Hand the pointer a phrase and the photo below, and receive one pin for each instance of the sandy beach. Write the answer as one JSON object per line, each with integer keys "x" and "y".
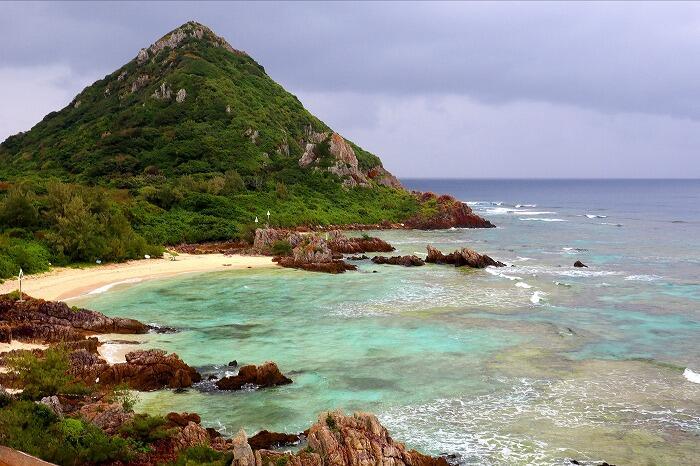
{"x": 65, "y": 283}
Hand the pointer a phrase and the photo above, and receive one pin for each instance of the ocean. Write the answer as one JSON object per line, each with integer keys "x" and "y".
{"x": 537, "y": 363}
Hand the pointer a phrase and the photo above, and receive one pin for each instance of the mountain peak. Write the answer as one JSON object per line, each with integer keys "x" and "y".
{"x": 180, "y": 36}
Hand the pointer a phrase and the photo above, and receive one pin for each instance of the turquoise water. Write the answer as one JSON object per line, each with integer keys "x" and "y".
{"x": 534, "y": 363}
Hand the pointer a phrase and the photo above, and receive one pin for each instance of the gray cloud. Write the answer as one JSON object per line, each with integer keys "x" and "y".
{"x": 604, "y": 69}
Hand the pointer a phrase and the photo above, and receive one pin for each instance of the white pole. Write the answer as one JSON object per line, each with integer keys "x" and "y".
{"x": 20, "y": 276}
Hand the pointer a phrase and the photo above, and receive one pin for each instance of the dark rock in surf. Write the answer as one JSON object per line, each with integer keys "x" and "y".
{"x": 462, "y": 257}
{"x": 262, "y": 376}
{"x": 406, "y": 261}
{"x": 580, "y": 264}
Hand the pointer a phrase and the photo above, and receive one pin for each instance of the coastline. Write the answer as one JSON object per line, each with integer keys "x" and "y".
{"x": 64, "y": 283}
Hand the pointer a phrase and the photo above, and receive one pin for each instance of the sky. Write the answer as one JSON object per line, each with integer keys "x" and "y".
{"x": 460, "y": 90}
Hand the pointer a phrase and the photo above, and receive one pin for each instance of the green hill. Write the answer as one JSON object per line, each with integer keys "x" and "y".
{"x": 187, "y": 142}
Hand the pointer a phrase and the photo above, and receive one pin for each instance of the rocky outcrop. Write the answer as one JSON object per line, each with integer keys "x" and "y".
{"x": 242, "y": 453}
{"x": 180, "y": 96}
{"x": 406, "y": 261}
{"x": 310, "y": 252}
{"x": 262, "y": 376}
{"x": 344, "y": 161}
{"x": 266, "y": 440}
{"x": 447, "y": 212}
{"x": 343, "y": 245}
{"x": 579, "y": 264}
{"x": 333, "y": 267}
{"x": 48, "y": 321}
{"x": 462, "y": 257}
{"x": 382, "y": 177}
{"x": 340, "y": 440}
{"x": 143, "y": 370}
{"x": 107, "y": 416}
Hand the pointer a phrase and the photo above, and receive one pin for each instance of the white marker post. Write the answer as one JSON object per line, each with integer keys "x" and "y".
{"x": 256, "y": 223}
{"x": 268, "y": 219}
{"x": 20, "y": 276}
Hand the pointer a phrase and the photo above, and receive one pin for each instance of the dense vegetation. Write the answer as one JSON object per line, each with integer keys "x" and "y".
{"x": 127, "y": 165}
{"x": 35, "y": 429}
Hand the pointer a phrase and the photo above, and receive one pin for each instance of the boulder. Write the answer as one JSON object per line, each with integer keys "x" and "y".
{"x": 266, "y": 440}
{"x": 242, "y": 453}
{"x": 360, "y": 439}
{"x": 462, "y": 257}
{"x": 143, "y": 370}
{"x": 191, "y": 435}
{"x": 406, "y": 261}
{"x": 107, "y": 416}
{"x": 357, "y": 245}
{"x": 262, "y": 376}
{"x": 53, "y": 404}
{"x": 579, "y": 264}
{"x": 182, "y": 419}
{"x": 448, "y": 213}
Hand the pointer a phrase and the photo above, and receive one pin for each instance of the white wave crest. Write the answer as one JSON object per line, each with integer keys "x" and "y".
{"x": 536, "y": 297}
{"x": 523, "y": 285}
{"x": 517, "y": 206}
{"x": 545, "y": 219}
{"x": 596, "y": 216}
{"x": 109, "y": 286}
{"x": 643, "y": 278}
{"x": 509, "y": 210}
{"x": 691, "y": 375}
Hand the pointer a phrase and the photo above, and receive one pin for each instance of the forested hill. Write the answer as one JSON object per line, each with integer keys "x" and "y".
{"x": 187, "y": 142}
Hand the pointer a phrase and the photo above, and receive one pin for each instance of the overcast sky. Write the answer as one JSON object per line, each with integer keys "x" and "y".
{"x": 470, "y": 90}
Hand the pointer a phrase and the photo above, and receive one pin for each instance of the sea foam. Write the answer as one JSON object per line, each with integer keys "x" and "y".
{"x": 691, "y": 375}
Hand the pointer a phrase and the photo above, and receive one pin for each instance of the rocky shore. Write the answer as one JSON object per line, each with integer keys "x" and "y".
{"x": 336, "y": 439}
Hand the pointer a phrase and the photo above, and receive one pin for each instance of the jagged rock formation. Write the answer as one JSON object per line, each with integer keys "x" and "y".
{"x": 262, "y": 376}
{"x": 340, "y": 244}
{"x": 406, "y": 261}
{"x": 36, "y": 320}
{"x": 449, "y": 212}
{"x": 143, "y": 370}
{"x": 340, "y": 440}
{"x": 579, "y": 264}
{"x": 462, "y": 257}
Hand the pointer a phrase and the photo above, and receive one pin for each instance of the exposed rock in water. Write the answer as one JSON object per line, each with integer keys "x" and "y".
{"x": 262, "y": 376}
{"x": 48, "y": 321}
{"x": 143, "y": 370}
{"x": 450, "y": 213}
{"x": 334, "y": 266}
{"x": 358, "y": 258}
{"x": 356, "y": 245}
{"x": 266, "y": 440}
{"x": 463, "y": 257}
{"x": 406, "y": 261}
{"x": 579, "y": 264}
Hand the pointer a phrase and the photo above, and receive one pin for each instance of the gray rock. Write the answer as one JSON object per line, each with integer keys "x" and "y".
{"x": 181, "y": 95}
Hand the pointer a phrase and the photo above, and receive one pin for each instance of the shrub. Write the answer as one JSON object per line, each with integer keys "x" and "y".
{"x": 35, "y": 429}
{"x": 45, "y": 376}
{"x": 281, "y": 248}
{"x": 202, "y": 456}
{"x": 145, "y": 428}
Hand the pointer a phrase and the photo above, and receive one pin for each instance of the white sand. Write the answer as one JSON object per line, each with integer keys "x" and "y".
{"x": 65, "y": 283}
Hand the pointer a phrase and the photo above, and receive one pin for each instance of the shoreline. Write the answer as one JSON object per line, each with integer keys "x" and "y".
{"x": 63, "y": 283}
